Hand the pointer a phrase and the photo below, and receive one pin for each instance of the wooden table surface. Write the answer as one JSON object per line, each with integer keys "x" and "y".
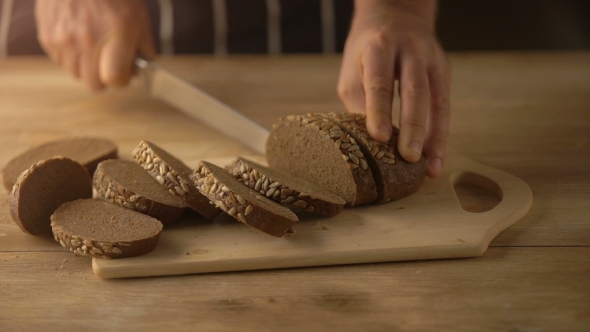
{"x": 526, "y": 113}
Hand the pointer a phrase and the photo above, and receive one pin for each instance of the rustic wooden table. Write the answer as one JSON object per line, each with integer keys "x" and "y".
{"x": 526, "y": 113}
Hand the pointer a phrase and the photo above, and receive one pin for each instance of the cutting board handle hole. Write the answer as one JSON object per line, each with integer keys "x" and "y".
{"x": 475, "y": 192}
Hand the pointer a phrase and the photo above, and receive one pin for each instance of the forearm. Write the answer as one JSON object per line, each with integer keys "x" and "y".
{"x": 425, "y": 9}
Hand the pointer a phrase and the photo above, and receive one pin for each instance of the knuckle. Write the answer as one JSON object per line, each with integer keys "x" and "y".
{"x": 417, "y": 90}
{"x": 442, "y": 104}
{"x": 380, "y": 85}
{"x": 380, "y": 39}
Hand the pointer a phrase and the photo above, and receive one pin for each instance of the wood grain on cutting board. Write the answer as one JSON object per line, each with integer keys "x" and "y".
{"x": 429, "y": 224}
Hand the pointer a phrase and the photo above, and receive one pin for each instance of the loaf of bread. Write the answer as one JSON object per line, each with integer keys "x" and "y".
{"x": 42, "y": 188}
{"x": 285, "y": 188}
{"x": 87, "y": 151}
{"x": 241, "y": 202}
{"x": 97, "y": 228}
{"x": 394, "y": 176}
{"x": 127, "y": 184}
{"x": 172, "y": 173}
{"x": 317, "y": 150}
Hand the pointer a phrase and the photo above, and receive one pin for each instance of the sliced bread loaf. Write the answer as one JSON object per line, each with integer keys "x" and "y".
{"x": 285, "y": 188}
{"x": 127, "y": 184}
{"x": 42, "y": 188}
{"x": 394, "y": 176}
{"x": 172, "y": 173}
{"x": 241, "y": 202}
{"x": 108, "y": 231}
{"x": 319, "y": 151}
{"x": 87, "y": 151}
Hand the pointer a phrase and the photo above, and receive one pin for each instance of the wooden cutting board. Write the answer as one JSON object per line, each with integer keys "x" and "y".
{"x": 430, "y": 224}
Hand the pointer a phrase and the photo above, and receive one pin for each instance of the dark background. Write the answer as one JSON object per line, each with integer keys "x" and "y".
{"x": 463, "y": 25}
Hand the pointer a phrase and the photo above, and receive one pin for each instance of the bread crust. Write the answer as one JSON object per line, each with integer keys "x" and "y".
{"x": 159, "y": 164}
{"x": 223, "y": 193}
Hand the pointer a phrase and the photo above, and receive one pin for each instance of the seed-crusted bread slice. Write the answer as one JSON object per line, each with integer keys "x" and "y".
{"x": 241, "y": 202}
{"x": 285, "y": 188}
{"x": 42, "y": 188}
{"x": 108, "y": 231}
{"x": 319, "y": 151}
{"x": 88, "y": 151}
{"x": 127, "y": 184}
{"x": 172, "y": 173}
{"x": 394, "y": 176}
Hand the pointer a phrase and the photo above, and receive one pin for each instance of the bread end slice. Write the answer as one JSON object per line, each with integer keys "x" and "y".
{"x": 42, "y": 188}
{"x": 87, "y": 151}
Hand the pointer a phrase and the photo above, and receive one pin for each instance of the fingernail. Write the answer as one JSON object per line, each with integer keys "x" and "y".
{"x": 435, "y": 164}
{"x": 415, "y": 146}
{"x": 385, "y": 131}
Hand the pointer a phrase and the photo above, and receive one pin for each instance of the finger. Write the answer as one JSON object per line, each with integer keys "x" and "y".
{"x": 439, "y": 120}
{"x": 350, "y": 86}
{"x": 415, "y": 104}
{"x": 70, "y": 61}
{"x": 147, "y": 46}
{"x": 116, "y": 60}
{"x": 378, "y": 79}
{"x": 89, "y": 69}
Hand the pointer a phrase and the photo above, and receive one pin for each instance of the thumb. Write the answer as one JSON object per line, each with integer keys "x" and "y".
{"x": 147, "y": 47}
{"x": 116, "y": 60}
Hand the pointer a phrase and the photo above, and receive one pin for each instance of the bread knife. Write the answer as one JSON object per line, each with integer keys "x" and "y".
{"x": 164, "y": 85}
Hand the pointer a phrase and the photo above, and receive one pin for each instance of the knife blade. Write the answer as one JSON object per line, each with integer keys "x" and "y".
{"x": 164, "y": 85}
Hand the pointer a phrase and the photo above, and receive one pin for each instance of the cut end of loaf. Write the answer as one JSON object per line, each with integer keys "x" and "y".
{"x": 286, "y": 188}
{"x": 315, "y": 149}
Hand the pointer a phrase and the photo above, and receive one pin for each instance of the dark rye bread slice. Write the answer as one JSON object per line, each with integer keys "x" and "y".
{"x": 319, "y": 151}
{"x": 42, "y": 188}
{"x": 88, "y": 151}
{"x": 108, "y": 231}
{"x": 172, "y": 173}
{"x": 394, "y": 176}
{"x": 285, "y": 188}
{"x": 127, "y": 184}
{"x": 241, "y": 202}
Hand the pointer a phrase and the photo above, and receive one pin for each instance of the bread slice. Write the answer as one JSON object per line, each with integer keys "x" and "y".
{"x": 394, "y": 176}
{"x": 174, "y": 175}
{"x": 42, "y": 188}
{"x": 87, "y": 151}
{"x": 285, "y": 188}
{"x": 109, "y": 231}
{"x": 319, "y": 151}
{"x": 125, "y": 183}
{"x": 241, "y": 202}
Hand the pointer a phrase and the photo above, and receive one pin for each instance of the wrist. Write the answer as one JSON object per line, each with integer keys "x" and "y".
{"x": 425, "y": 9}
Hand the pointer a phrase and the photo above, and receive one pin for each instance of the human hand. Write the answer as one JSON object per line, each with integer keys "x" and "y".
{"x": 392, "y": 40}
{"x": 97, "y": 41}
